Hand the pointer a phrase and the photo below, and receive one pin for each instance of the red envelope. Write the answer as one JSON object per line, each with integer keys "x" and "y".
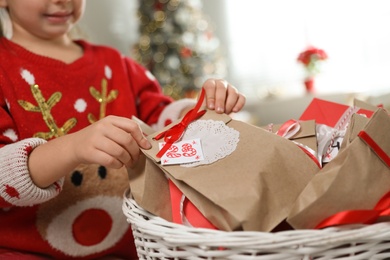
{"x": 194, "y": 217}
{"x": 330, "y": 113}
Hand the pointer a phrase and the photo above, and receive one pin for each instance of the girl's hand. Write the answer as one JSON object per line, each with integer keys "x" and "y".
{"x": 223, "y": 97}
{"x": 112, "y": 142}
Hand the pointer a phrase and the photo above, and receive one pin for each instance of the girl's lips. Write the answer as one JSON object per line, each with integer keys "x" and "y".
{"x": 58, "y": 17}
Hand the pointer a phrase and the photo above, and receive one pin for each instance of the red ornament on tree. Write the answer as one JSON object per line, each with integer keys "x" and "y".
{"x": 158, "y": 6}
{"x": 186, "y": 52}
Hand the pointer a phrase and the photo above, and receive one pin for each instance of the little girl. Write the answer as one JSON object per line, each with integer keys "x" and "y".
{"x": 66, "y": 136}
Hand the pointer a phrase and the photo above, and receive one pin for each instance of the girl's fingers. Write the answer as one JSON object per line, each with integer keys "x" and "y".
{"x": 220, "y": 95}
{"x": 209, "y": 87}
{"x": 117, "y": 141}
{"x": 215, "y": 91}
{"x": 128, "y": 135}
{"x": 240, "y": 103}
{"x": 114, "y": 149}
{"x": 105, "y": 159}
{"x": 134, "y": 130}
{"x": 232, "y": 99}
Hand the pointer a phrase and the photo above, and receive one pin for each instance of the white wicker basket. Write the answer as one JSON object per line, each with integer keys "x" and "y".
{"x": 156, "y": 238}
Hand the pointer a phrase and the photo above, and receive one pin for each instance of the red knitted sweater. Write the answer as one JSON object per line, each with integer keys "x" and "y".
{"x": 41, "y": 98}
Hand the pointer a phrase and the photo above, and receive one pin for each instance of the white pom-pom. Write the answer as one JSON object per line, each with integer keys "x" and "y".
{"x": 28, "y": 77}
{"x": 80, "y": 105}
{"x": 108, "y": 72}
{"x": 10, "y": 133}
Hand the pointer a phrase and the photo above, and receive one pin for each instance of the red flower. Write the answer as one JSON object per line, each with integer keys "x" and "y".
{"x": 312, "y": 53}
{"x": 310, "y": 59}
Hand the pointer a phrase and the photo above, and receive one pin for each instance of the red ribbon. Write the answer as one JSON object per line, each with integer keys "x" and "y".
{"x": 382, "y": 208}
{"x": 347, "y": 217}
{"x": 175, "y": 132}
{"x": 374, "y": 146}
{"x": 289, "y": 129}
{"x": 312, "y": 156}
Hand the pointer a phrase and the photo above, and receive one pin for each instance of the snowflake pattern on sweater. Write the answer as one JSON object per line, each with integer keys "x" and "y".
{"x": 41, "y": 98}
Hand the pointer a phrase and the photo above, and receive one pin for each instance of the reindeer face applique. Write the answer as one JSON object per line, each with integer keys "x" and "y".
{"x": 86, "y": 217}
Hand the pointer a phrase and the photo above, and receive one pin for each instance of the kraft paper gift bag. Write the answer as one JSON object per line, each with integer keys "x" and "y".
{"x": 149, "y": 188}
{"x": 364, "y": 105}
{"x": 358, "y": 121}
{"x": 356, "y": 124}
{"x": 148, "y": 183}
{"x": 349, "y": 189}
{"x": 247, "y": 181}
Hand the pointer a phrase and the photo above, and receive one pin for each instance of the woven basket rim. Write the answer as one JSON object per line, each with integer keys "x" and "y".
{"x": 157, "y": 238}
{"x": 180, "y": 234}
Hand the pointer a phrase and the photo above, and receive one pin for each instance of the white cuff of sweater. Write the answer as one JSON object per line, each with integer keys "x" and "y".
{"x": 16, "y": 185}
{"x": 172, "y": 112}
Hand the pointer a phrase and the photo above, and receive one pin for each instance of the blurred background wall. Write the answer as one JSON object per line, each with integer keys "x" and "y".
{"x": 260, "y": 41}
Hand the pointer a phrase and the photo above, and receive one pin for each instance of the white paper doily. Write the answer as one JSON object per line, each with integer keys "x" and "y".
{"x": 218, "y": 140}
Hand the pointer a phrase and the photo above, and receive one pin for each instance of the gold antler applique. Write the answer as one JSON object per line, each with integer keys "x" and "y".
{"x": 103, "y": 99}
{"x": 45, "y": 108}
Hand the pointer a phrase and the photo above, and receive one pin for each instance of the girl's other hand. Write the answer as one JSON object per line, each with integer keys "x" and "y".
{"x": 222, "y": 96}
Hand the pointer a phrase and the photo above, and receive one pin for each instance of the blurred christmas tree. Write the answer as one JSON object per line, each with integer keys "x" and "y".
{"x": 178, "y": 46}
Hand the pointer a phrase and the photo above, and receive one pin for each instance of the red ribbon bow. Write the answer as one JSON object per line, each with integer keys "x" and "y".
{"x": 175, "y": 132}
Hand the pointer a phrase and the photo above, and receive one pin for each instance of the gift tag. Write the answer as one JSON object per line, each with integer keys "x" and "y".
{"x": 187, "y": 151}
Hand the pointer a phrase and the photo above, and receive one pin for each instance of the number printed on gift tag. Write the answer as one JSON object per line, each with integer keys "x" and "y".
{"x": 332, "y": 150}
{"x": 183, "y": 152}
